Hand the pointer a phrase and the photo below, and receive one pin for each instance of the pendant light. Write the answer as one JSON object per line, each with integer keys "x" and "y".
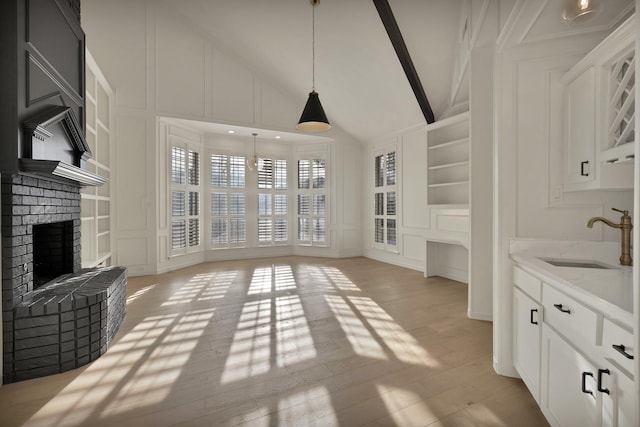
{"x": 313, "y": 117}
{"x": 577, "y": 11}
{"x": 252, "y": 163}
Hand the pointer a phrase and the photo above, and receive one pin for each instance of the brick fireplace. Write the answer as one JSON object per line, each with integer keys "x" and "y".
{"x": 56, "y": 316}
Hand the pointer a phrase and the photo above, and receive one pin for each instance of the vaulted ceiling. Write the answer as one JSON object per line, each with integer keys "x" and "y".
{"x": 359, "y": 78}
{"x": 360, "y": 81}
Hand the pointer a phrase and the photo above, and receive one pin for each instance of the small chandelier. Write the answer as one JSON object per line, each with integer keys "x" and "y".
{"x": 252, "y": 162}
{"x": 313, "y": 117}
{"x": 577, "y": 11}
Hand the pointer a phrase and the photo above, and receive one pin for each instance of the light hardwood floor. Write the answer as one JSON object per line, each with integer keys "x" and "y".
{"x": 292, "y": 341}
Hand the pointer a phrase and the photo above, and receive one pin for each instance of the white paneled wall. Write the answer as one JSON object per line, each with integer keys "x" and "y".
{"x": 160, "y": 65}
{"x": 413, "y": 220}
{"x": 528, "y": 153}
{"x": 410, "y": 149}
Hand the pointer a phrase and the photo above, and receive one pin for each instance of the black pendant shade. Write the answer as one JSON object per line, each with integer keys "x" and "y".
{"x": 313, "y": 117}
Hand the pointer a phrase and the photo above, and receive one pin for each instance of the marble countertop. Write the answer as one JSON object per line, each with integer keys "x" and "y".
{"x": 607, "y": 290}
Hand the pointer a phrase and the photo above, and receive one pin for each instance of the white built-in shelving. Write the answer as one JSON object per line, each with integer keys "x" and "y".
{"x": 95, "y": 204}
{"x": 448, "y": 165}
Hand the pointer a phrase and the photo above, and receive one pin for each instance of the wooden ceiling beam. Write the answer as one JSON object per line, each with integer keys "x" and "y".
{"x": 393, "y": 31}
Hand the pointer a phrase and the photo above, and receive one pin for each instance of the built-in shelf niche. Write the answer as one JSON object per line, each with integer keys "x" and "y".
{"x": 448, "y": 161}
{"x": 95, "y": 204}
{"x": 448, "y": 166}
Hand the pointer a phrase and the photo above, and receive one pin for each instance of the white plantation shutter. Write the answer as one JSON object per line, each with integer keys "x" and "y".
{"x": 312, "y": 202}
{"x": 185, "y": 200}
{"x": 385, "y": 203}
{"x": 228, "y": 207}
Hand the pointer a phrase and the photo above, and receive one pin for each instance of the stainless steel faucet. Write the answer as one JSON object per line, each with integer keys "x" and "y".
{"x": 625, "y": 227}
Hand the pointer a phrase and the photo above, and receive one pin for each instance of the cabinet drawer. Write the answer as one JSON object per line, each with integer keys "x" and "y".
{"x": 614, "y": 335}
{"x": 529, "y": 284}
{"x": 576, "y": 322}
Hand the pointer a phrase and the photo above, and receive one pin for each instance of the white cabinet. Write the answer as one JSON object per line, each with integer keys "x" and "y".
{"x": 618, "y": 399}
{"x": 527, "y": 316}
{"x": 573, "y": 359}
{"x": 580, "y": 114}
{"x": 578, "y": 392}
{"x": 569, "y": 384}
{"x": 599, "y": 117}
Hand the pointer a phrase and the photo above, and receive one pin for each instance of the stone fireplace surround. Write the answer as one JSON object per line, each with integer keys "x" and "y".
{"x": 65, "y": 323}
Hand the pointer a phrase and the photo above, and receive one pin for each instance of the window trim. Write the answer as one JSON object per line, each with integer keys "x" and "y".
{"x": 385, "y": 189}
{"x": 186, "y": 188}
{"x": 312, "y": 192}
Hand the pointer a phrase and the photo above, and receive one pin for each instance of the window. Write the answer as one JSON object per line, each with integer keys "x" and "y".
{"x": 272, "y": 202}
{"x": 185, "y": 199}
{"x": 312, "y": 202}
{"x": 385, "y": 203}
{"x": 228, "y": 201}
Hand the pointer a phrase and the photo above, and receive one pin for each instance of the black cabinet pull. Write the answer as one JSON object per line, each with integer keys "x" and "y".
{"x": 562, "y": 309}
{"x": 600, "y": 372}
{"x": 533, "y": 310}
{"x": 582, "y": 165}
{"x": 620, "y": 349}
{"x": 584, "y": 382}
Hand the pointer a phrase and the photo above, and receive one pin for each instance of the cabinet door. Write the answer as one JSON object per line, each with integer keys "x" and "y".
{"x": 526, "y": 340}
{"x": 618, "y": 399}
{"x": 569, "y": 392}
{"x": 580, "y": 114}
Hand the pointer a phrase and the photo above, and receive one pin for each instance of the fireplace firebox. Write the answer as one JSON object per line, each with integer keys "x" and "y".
{"x": 52, "y": 251}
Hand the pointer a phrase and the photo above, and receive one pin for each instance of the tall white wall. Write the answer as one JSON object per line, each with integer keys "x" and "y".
{"x": 161, "y": 65}
{"x": 410, "y": 147}
{"x": 481, "y": 84}
{"x": 528, "y": 146}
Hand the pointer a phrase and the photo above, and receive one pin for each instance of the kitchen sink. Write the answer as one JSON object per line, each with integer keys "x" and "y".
{"x": 577, "y": 264}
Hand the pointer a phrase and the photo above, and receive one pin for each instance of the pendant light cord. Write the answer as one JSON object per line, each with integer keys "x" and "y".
{"x": 313, "y": 46}
{"x": 254, "y": 143}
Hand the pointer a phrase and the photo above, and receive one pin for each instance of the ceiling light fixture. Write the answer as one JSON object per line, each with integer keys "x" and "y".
{"x": 313, "y": 117}
{"x": 577, "y": 11}
{"x": 252, "y": 163}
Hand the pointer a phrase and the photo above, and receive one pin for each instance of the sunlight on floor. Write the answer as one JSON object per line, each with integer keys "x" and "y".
{"x": 339, "y": 280}
{"x": 250, "y": 351}
{"x": 311, "y": 407}
{"x": 330, "y": 278}
{"x": 143, "y": 365}
{"x": 363, "y": 343}
{"x": 269, "y": 279}
{"x": 154, "y": 378}
{"x": 203, "y": 287}
{"x": 270, "y": 345}
{"x": 294, "y": 339}
{"x": 396, "y": 339}
{"x": 396, "y": 400}
{"x": 140, "y": 292}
